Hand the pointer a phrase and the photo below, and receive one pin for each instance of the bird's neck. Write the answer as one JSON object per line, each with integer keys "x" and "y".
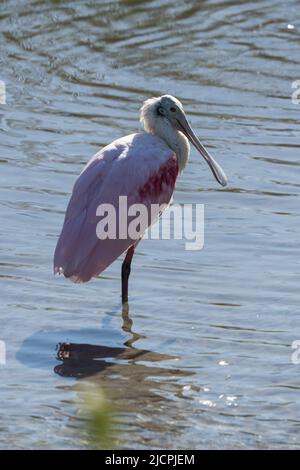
{"x": 174, "y": 139}
{"x": 180, "y": 145}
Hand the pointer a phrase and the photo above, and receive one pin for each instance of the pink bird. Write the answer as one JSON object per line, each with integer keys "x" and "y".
{"x": 144, "y": 168}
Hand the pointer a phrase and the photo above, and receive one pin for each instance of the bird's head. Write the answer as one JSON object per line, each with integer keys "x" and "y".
{"x": 169, "y": 109}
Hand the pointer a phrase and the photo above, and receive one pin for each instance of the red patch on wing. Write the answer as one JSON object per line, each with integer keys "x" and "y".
{"x": 166, "y": 176}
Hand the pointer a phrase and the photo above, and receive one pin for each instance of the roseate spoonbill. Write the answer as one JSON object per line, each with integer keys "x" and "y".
{"x": 144, "y": 167}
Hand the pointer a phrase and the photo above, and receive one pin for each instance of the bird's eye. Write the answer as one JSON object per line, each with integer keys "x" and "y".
{"x": 173, "y": 109}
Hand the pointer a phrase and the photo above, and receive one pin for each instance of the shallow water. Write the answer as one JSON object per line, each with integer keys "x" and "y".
{"x": 209, "y": 364}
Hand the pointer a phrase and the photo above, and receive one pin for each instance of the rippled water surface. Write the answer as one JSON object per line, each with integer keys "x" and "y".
{"x": 209, "y": 362}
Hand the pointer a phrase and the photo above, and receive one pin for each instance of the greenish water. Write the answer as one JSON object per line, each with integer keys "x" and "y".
{"x": 209, "y": 364}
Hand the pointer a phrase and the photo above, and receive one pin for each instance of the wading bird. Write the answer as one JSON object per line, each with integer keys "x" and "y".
{"x": 144, "y": 167}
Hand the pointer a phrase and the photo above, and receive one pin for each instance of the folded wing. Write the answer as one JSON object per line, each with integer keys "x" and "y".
{"x": 139, "y": 166}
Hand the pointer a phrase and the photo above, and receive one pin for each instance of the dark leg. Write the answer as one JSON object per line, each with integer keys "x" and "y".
{"x": 126, "y": 267}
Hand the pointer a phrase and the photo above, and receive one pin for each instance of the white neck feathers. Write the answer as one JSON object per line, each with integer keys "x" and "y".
{"x": 161, "y": 127}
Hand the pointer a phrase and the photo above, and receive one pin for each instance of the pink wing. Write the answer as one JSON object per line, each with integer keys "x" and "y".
{"x": 139, "y": 166}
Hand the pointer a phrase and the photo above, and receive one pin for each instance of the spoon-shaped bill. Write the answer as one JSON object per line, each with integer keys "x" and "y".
{"x": 185, "y": 128}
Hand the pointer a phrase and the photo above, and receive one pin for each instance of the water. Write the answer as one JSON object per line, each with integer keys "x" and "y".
{"x": 209, "y": 363}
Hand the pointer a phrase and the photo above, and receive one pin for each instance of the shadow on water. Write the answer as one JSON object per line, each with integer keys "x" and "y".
{"x": 81, "y": 360}
{"x": 140, "y": 382}
{"x": 129, "y": 376}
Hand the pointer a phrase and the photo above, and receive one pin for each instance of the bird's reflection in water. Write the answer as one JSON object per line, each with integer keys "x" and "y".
{"x": 148, "y": 394}
{"x": 85, "y": 360}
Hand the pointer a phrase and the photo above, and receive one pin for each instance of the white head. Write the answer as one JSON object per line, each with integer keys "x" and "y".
{"x": 164, "y": 116}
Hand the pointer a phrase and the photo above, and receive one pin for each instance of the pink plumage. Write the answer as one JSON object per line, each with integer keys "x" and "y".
{"x": 143, "y": 168}
{"x": 139, "y": 166}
